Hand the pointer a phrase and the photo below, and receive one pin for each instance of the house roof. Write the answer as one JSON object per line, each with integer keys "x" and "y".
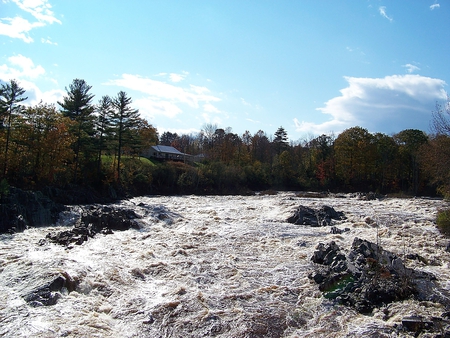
{"x": 167, "y": 149}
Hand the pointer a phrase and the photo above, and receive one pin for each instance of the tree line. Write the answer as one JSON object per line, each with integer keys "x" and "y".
{"x": 100, "y": 145}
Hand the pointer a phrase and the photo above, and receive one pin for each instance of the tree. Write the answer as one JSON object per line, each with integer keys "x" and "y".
{"x": 125, "y": 119}
{"x": 409, "y": 141}
{"x": 167, "y": 138}
{"x": 47, "y": 143}
{"x": 281, "y": 141}
{"x": 11, "y": 94}
{"x": 77, "y": 105}
{"x": 355, "y": 155}
{"x": 441, "y": 118}
{"x": 103, "y": 126}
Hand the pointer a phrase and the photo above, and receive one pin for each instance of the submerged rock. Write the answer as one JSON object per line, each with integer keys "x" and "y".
{"x": 315, "y": 217}
{"x": 368, "y": 277}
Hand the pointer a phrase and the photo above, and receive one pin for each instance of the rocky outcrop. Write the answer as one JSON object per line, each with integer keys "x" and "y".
{"x": 22, "y": 209}
{"x": 369, "y": 277}
{"x": 95, "y": 219}
{"x": 315, "y": 217}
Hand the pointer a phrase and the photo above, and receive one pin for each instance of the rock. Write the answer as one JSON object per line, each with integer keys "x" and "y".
{"x": 368, "y": 277}
{"x": 22, "y": 209}
{"x": 95, "y": 219}
{"x": 49, "y": 293}
{"x": 336, "y": 231}
{"x": 321, "y": 217}
{"x": 416, "y": 324}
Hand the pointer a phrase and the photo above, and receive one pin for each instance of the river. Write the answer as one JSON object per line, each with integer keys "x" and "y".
{"x": 224, "y": 266}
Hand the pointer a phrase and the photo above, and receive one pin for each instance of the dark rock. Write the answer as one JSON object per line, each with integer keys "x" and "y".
{"x": 49, "y": 293}
{"x": 95, "y": 219}
{"x": 416, "y": 324}
{"x": 368, "y": 277}
{"x": 22, "y": 209}
{"x": 336, "y": 231}
{"x": 320, "y": 217}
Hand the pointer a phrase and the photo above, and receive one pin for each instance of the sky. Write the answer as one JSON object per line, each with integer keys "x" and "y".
{"x": 310, "y": 66}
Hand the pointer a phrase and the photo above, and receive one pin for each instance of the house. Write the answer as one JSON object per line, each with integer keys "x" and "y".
{"x": 166, "y": 153}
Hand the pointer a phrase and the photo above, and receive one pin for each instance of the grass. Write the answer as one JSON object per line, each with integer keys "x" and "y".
{"x": 443, "y": 221}
{"x": 107, "y": 159}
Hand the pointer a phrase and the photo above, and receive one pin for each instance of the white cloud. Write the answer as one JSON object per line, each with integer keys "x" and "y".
{"x": 411, "y": 68}
{"x": 40, "y": 9}
{"x": 150, "y": 107}
{"x": 434, "y": 6}
{"x": 208, "y": 107}
{"x": 166, "y": 99}
{"x": 19, "y": 28}
{"x": 388, "y": 104}
{"x": 23, "y": 69}
{"x": 174, "y": 77}
{"x": 382, "y": 10}
{"x": 49, "y": 42}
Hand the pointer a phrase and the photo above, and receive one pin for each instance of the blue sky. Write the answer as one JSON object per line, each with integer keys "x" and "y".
{"x": 310, "y": 66}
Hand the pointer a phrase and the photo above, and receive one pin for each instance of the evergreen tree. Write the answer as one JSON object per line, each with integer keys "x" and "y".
{"x": 125, "y": 119}
{"x": 11, "y": 94}
{"x": 103, "y": 126}
{"x": 77, "y": 105}
{"x": 280, "y": 141}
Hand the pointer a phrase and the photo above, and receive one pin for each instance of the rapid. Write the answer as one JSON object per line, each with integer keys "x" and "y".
{"x": 225, "y": 266}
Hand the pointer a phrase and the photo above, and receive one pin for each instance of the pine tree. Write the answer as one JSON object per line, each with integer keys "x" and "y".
{"x": 11, "y": 94}
{"x": 125, "y": 119}
{"x": 280, "y": 141}
{"x": 78, "y": 107}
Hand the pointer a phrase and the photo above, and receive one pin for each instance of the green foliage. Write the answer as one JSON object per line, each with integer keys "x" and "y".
{"x": 443, "y": 221}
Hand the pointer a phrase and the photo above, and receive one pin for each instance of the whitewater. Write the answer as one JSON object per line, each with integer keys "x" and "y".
{"x": 223, "y": 266}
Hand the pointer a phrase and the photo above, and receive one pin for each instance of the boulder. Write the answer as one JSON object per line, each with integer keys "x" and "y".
{"x": 369, "y": 276}
{"x": 50, "y": 291}
{"x": 315, "y": 217}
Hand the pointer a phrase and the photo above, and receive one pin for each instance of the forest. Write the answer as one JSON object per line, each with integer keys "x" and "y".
{"x": 100, "y": 146}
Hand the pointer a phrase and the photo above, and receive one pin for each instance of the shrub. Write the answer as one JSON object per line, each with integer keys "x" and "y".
{"x": 443, "y": 221}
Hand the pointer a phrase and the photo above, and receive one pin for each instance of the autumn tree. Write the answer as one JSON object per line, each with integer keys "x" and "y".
{"x": 77, "y": 105}
{"x": 435, "y": 156}
{"x": 410, "y": 141}
{"x": 355, "y": 156}
{"x": 11, "y": 94}
{"x": 47, "y": 142}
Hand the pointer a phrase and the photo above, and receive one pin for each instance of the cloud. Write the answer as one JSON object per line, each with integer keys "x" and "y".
{"x": 178, "y": 77}
{"x": 23, "y": 69}
{"x": 166, "y": 99}
{"x": 48, "y": 41}
{"x": 382, "y": 10}
{"x": 411, "y": 68}
{"x": 19, "y": 28}
{"x": 434, "y": 6}
{"x": 388, "y": 104}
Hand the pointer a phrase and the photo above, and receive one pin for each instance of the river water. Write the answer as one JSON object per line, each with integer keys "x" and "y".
{"x": 224, "y": 266}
